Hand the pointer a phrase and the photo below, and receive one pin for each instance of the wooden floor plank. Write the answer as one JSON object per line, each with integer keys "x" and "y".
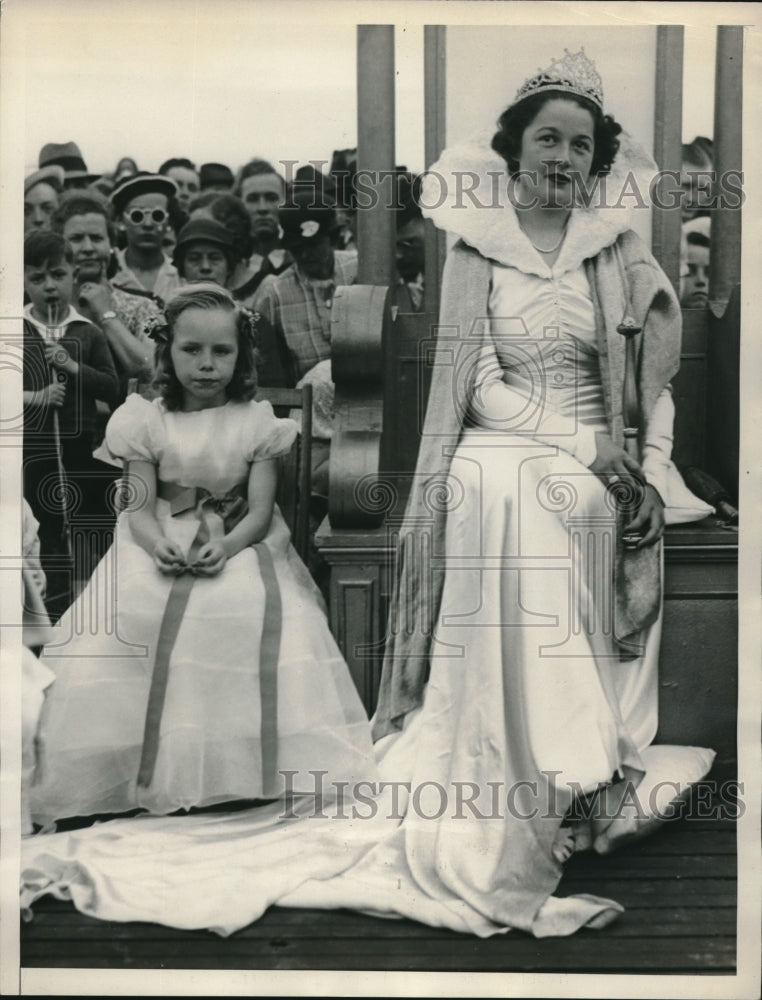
{"x": 652, "y": 866}
{"x": 658, "y": 893}
{"x": 678, "y": 888}
{"x": 319, "y": 924}
{"x": 509, "y": 953}
{"x": 682, "y": 836}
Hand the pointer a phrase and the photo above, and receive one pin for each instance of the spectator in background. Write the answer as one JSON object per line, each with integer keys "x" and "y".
{"x": 410, "y": 247}
{"x": 342, "y": 171}
{"x": 262, "y": 190}
{"x": 141, "y": 207}
{"x": 83, "y": 220}
{"x": 694, "y": 264}
{"x": 42, "y": 190}
{"x": 183, "y": 172}
{"x": 231, "y": 213}
{"x": 696, "y": 177}
{"x": 126, "y": 167}
{"x": 298, "y": 302}
{"x": 297, "y": 305}
{"x": 216, "y": 177}
{"x": 205, "y": 252}
{"x": 67, "y": 368}
{"x": 67, "y": 155}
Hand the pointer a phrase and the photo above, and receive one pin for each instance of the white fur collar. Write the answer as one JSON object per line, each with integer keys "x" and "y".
{"x": 491, "y": 226}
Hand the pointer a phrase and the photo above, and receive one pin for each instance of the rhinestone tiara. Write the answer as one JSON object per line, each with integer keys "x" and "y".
{"x": 573, "y": 73}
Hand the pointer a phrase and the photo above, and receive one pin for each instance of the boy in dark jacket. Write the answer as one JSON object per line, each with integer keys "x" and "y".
{"x": 67, "y": 367}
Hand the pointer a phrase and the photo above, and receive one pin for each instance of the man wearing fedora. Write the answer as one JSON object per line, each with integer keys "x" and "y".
{"x": 141, "y": 204}
{"x": 67, "y": 155}
{"x": 41, "y": 194}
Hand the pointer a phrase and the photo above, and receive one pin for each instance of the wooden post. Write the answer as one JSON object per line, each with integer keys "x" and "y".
{"x": 725, "y": 256}
{"x": 435, "y": 109}
{"x": 375, "y": 151}
{"x": 668, "y": 130}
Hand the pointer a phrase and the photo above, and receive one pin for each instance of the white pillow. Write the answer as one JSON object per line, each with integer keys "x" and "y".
{"x": 670, "y": 774}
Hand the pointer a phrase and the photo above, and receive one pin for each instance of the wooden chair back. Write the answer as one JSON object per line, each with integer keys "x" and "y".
{"x": 294, "y": 481}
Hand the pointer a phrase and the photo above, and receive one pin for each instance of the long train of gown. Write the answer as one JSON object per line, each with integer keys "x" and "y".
{"x": 519, "y": 698}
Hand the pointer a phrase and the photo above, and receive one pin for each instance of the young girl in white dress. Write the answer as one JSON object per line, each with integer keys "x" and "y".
{"x": 213, "y": 672}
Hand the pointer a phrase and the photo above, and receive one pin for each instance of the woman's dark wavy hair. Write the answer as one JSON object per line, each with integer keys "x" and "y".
{"x": 243, "y": 385}
{"x": 518, "y": 117}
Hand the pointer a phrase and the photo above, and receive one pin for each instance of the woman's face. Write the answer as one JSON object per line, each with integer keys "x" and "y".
{"x": 558, "y": 143}
{"x": 144, "y": 233}
{"x": 88, "y": 237}
{"x": 205, "y": 262}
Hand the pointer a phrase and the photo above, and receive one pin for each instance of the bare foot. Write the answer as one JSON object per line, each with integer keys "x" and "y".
{"x": 563, "y": 844}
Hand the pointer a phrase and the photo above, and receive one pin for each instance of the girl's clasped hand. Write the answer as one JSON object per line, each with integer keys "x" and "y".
{"x": 170, "y": 560}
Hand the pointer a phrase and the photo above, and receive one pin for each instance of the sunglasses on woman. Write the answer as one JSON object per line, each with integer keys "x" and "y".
{"x": 137, "y": 216}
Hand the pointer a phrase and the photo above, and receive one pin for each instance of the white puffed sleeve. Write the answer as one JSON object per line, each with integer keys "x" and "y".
{"x": 135, "y": 432}
{"x": 266, "y": 436}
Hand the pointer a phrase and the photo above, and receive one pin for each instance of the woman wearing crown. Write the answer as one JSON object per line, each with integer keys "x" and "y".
{"x": 528, "y": 600}
{"x": 520, "y": 671}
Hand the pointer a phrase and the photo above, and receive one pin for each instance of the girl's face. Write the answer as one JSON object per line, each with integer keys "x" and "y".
{"x": 558, "y": 143}
{"x": 204, "y": 351}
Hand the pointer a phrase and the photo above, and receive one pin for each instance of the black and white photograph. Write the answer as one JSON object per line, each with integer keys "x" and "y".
{"x": 380, "y": 500}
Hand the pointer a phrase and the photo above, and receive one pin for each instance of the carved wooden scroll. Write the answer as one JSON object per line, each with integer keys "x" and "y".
{"x": 360, "y": 327}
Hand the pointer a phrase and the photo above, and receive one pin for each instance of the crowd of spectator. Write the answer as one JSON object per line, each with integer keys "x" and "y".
{"x": 102, "y": 256}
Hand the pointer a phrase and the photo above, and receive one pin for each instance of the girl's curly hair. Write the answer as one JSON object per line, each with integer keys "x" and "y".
{"x": 518, "y": 117}
{"x": 243, "y": 385}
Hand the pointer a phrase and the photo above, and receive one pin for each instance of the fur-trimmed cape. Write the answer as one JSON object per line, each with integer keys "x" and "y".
{"x": 624, "y": 279}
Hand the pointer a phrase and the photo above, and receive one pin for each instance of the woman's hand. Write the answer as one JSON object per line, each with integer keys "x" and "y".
{"x": 211, "y": 559}
{"x": 611, "y": 460}
{"x": 94, "y": 300}
{"x": 168, "y": 557}
{"x": 59, "y": 357}
{"x": 647, "y": 527}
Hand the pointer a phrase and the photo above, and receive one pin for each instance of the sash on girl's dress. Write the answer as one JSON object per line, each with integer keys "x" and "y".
{"x": 218, "y": 515}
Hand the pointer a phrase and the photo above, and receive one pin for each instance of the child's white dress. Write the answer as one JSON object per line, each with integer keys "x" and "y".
{"x": 253, "y": 636}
